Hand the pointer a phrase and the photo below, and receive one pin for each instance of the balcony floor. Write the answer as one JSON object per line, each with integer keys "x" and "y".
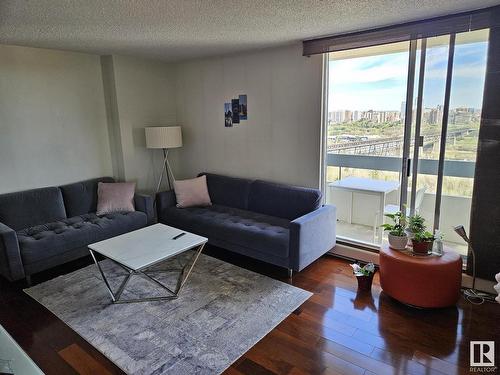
{"x": 364, "y": 233}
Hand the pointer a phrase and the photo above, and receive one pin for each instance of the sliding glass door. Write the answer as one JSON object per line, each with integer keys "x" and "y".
{"x": 402, "y": 131}
{"x": 444, "y": 161}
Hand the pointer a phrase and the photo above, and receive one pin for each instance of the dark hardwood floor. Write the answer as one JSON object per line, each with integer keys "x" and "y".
{"x": 337, "y": 331}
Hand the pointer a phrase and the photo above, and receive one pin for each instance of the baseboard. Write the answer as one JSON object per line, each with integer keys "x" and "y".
{"x": 349, "y": 252}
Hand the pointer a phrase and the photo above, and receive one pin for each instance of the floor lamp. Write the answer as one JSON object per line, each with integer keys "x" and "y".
{"x": 165, "y": 138}
{"x": 471, "y": 294}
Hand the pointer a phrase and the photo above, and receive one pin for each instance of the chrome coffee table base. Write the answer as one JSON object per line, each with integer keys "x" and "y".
{"x": 184, "y": 273}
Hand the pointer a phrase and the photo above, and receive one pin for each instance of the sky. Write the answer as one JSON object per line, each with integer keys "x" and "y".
{"x": 379, "y": 82}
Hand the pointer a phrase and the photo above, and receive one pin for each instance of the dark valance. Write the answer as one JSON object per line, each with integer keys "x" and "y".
{"x": 456, "y": 23}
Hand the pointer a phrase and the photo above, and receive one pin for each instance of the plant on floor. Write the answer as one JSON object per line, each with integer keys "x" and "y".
{"x": 398, "y": 239}
{"x": 366, "y": 270}
{"x": 364, "y": 275}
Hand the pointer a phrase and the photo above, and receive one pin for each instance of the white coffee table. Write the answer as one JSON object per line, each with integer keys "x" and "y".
{"x": 13, "y": 359}
{"x": 139, "y": 250}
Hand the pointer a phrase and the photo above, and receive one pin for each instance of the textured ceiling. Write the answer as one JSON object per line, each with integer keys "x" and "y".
{"x": 175, "y": 30}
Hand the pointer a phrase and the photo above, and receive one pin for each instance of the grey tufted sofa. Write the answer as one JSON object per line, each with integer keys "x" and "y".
{"x": 279, "y": 224}
{"x": 45, "y": 227}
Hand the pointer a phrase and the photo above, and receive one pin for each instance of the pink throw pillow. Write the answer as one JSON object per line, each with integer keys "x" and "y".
{"x": 192, "y": 193}
{"x": 115, "y": 197}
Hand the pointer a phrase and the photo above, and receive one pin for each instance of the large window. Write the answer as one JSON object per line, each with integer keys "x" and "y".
{"x": 366, "y": 110}
{"x": 374, "y": 166}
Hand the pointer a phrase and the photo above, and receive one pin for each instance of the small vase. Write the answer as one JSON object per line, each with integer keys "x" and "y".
{"x": 437, "y": 248}
{"x": 397, "y": 242}
{"x": 365, "y": 282}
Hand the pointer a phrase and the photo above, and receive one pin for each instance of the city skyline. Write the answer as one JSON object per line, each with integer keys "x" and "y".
{"x": 439, "y": 106}
{"x": 379, "y": 82}
{"x": 430, "y": 115}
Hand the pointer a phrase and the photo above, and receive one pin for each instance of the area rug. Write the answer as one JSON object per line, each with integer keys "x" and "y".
{"x": 222, "y": 312}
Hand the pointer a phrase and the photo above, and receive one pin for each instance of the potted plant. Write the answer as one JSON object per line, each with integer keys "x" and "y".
{"x": 398, "y": 239}
{"x": 416, "y": 224}
{"x": 422, "y": 242}
{"x": 364, "y": 275}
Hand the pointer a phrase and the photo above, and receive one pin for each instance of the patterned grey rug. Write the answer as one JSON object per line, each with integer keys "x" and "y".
{"x": 222, "y": 312}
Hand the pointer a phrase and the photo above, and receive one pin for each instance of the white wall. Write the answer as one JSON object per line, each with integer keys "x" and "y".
{"x": 68, "y": 116}
{"x": 280, "y": 141}
{"x": 52, "y": 118}
{"x": 145, "y": 96}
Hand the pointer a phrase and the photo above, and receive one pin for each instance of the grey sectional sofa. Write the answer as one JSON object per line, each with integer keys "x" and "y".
{"x": 279, "y": 224}
{"x": 45, "y": 227}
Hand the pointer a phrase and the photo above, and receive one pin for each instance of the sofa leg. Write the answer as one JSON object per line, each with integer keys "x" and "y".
{"x": 28, "y": 280}
{"x": 290, "y": 273}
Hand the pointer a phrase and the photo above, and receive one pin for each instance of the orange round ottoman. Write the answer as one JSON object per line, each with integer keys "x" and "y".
{"x": 421, "y": 281}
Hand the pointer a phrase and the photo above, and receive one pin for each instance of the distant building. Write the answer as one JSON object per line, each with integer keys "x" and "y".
{"x": 431, "y": 116}
{"x": 336, "y": 117}
{"x": 392, "y": 116}
{"x": 462, "y": 115}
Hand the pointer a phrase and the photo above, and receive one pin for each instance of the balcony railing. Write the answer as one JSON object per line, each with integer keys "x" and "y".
{"x": 452, "y": 168}
{"x": 454, "y": 209}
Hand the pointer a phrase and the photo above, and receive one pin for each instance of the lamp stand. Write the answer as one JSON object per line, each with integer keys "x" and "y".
{"x": 471, "y": 294}
{"x": 165, "y": 170}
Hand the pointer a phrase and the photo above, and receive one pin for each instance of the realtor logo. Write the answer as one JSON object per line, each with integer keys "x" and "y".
{"x": 482, "y": 353}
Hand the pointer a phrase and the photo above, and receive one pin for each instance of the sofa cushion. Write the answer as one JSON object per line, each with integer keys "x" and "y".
{"x": 228, "y": 191}
{"x": 192, "y": 192}
{"x": 115, "y": 197}
{"x": 285, "y": 201}
{"x": 31, "y": 207}
{"x": 44, "y": 241}
{"x": 81, "y": 197}
{"x": 263, "y": 233}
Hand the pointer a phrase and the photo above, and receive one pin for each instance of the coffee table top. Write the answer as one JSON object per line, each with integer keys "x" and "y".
{"x": 145, "y": 247}
{"x": 13, "y": 356}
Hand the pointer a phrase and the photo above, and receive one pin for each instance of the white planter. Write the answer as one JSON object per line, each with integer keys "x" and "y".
{"x": 398, "y": 242}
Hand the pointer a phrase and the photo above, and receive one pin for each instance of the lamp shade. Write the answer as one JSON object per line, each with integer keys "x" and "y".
{"x": 163, "y": 137}
{"x": 460, "y": 230}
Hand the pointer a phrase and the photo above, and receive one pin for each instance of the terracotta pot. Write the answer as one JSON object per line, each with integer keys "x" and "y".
{"x": 397, "y": 242}
{"x": 365, "y": 282}
{"x": 423, "y": 247}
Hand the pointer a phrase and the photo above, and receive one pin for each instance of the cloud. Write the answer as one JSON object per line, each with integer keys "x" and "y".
{"x": 379, "y": 82}
{"x": 369, "y": 69}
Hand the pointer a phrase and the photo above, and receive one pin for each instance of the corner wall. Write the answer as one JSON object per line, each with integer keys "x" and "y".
{"x": 52, "y": 118}
{"x": 280, "y": 141}
{"x": 139, "y": 93}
